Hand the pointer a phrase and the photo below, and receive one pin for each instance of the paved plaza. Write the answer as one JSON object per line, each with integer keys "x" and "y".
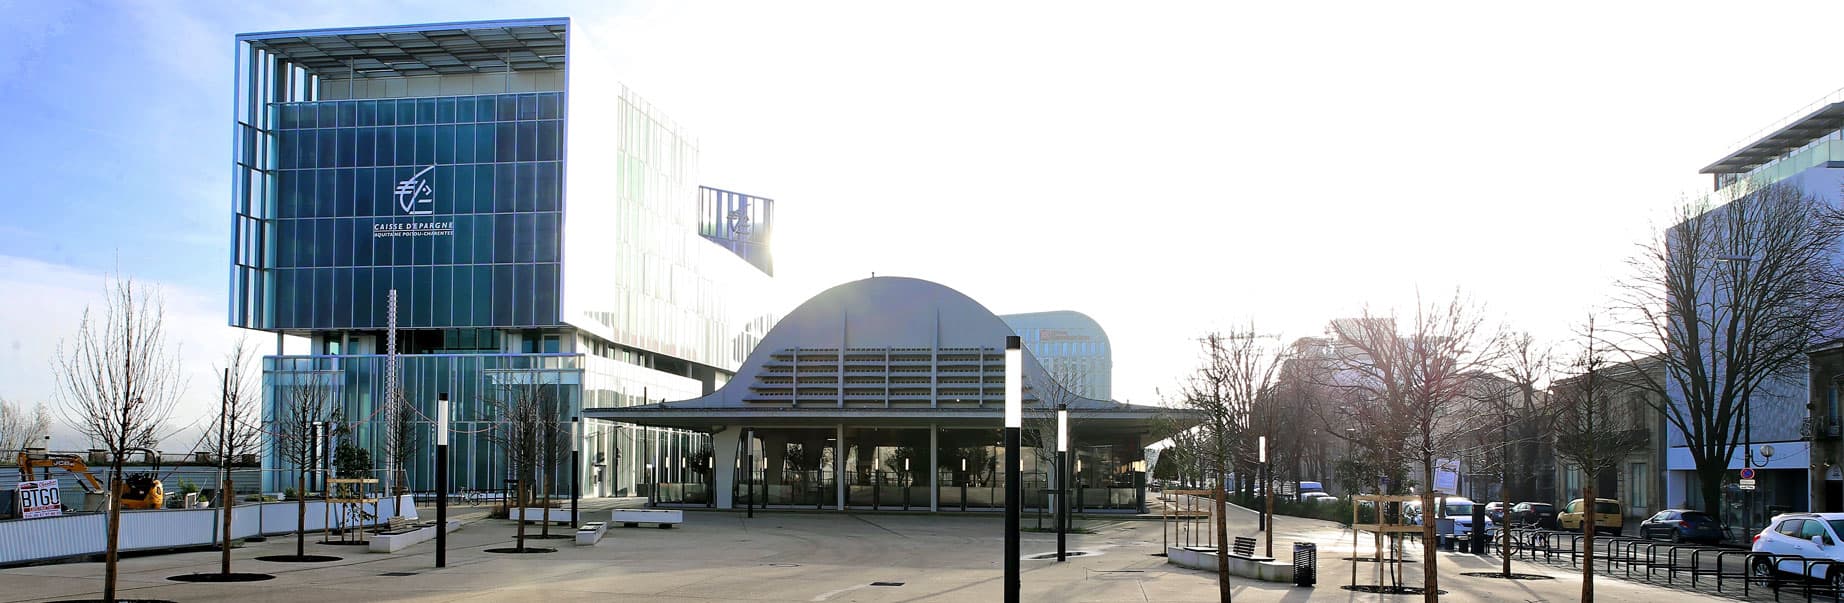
{"x": 777, "y": 556}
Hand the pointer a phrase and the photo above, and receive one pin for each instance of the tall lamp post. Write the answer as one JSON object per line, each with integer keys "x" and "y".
{"x": 1014, "y": 422}
{"x": 1267, "y": 492}
{"x": 441, "y": 479}
{"x": 1062, "y": 479}
{"x": 576, "y": 468}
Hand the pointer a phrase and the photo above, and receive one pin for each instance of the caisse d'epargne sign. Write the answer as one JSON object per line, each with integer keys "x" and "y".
{"x": 40, "y": 499}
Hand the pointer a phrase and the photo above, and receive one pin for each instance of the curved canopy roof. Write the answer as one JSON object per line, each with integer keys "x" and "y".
{"x": 892, "y": 350}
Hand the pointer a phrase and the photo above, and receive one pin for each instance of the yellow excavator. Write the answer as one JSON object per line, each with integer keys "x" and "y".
{"x": 139, "y": 490}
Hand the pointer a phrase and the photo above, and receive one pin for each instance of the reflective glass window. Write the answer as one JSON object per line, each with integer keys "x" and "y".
{"x": 508, "y": 108}
{"x": 367, "y": 113}
{"x": 387, "y": 112}
{"x": 366, "y": 147}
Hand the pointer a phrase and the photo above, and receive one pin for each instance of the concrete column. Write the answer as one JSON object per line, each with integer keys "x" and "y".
{"x": 934, "y": 460}
{"x": 838, "y": 466}
{"x": 723, "y": 464}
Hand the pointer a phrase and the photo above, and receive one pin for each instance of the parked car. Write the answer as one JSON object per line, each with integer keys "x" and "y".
{"x": 1317, "y": 497}
{"x": 1681, "y": 525}
{"x": 1606, "y": 515}
{"x": 1542, "y": 515}
{"x": 1496, "y": 511}
{"x": 1457, "y": 508}
{"x": 1809, "y": 535}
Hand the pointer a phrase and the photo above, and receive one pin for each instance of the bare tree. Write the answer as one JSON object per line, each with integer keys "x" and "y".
{"x": 1419, "y": 383}
{"x": 118, "y": 381}
{"x": 307, "y": 398}
{"x": 239, "y": 430}
{"x": 1729, "y": 299}
{"x": 553, "y": 453}
{"x": 1524, "y": 365}
{"x": 1237, "y": 368}
{"x": 520, "y": 398}
{"x": 401, "y": 443}
{"x": 1593, "y": 434}
{"x": 1051, "y": 391}
{"x": 19, "y": 429}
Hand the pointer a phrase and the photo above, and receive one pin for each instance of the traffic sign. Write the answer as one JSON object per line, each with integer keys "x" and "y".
{"x": 1747, "y": 484}
{"x": 1748, "y": 474}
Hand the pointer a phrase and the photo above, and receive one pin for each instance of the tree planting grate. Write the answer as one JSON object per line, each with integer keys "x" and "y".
{"x": 1501, "y": 575}
{"x": 1390, "y": 590}
{"x": 886, "y": 584}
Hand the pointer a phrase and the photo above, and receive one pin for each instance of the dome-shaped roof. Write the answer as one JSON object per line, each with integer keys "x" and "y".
{"x": 895, "y": 313}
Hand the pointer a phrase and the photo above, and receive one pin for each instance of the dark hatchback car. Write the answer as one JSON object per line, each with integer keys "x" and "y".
{"x": 1682, "y": 525}
{"x": 1542, "y": 515}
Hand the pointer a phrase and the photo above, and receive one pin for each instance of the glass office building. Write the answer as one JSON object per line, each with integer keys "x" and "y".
{"x": 433, "y": 161}
{"x": 1073, "y": 348}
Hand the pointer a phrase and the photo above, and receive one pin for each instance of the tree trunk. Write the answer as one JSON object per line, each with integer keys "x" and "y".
{"x": 1222, "y": 527}
{"x": 1709, "y": 482}
{"x": 229, "y": 505}
{"x": 301, "y": 515}
{"x": 1430, "y": 578}
{"x": 550, "y": 477}
{"x": 1587, "y": 530}
{"x": 115, "y": 529}
{"x": 520, "y": 506}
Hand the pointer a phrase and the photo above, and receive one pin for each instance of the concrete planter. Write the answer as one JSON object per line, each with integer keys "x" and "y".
{"x": 664, "y": 518}
{"x": 1203, "y": 558}
{"x": 391, "y": 543}
{"x": 534, "y": 514}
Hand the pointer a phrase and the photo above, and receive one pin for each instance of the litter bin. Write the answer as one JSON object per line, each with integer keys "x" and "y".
{"x": 1305, "y": 564}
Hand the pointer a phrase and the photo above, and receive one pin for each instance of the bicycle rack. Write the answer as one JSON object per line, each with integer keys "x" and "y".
{"x": 1671, "y": 574}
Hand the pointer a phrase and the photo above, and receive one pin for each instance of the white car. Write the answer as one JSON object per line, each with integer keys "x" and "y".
{"x": 1810, "y": 535}
{"x": 1318, "y": 497}
{"x": 1458, "y": 508}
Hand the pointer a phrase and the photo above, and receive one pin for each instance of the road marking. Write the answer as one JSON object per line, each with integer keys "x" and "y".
{"x": 830, "y": 595}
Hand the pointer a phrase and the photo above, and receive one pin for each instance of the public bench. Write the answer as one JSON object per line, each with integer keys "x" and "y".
{"x": 591, "y": 533}
{"x": 391, "y": 542}
{"x": 630, "y": 518}
{"x": 1245, "y": 548}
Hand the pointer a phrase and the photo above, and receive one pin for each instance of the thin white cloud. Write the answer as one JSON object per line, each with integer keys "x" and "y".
{"x": 44, "y": 305}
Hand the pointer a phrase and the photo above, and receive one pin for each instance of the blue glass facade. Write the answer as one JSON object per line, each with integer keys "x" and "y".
{"x": 482, "y": 249}
{"x": 432, "y": 160}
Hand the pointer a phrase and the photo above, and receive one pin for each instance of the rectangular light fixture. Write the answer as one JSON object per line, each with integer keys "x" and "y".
{"x": 441, "y": 419}
{"x": 1062, "y": 428}
{"x": 1014, "y": 382}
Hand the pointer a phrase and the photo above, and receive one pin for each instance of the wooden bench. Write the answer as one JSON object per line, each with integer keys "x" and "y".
{"x": 1245, "y": 548}
{"x": 399, "y": 525}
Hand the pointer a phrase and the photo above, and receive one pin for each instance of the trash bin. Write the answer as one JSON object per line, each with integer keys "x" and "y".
{"x": 1305, "y": 564}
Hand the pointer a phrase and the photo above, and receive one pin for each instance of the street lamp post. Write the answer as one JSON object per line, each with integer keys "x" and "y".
{"x": 1062, "y": 480}
{"x": 441, "y": 479}
{"x": 576, "y": 469}
{"x": 1014, "y": 485}
{"x": 1267, "y": 493}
